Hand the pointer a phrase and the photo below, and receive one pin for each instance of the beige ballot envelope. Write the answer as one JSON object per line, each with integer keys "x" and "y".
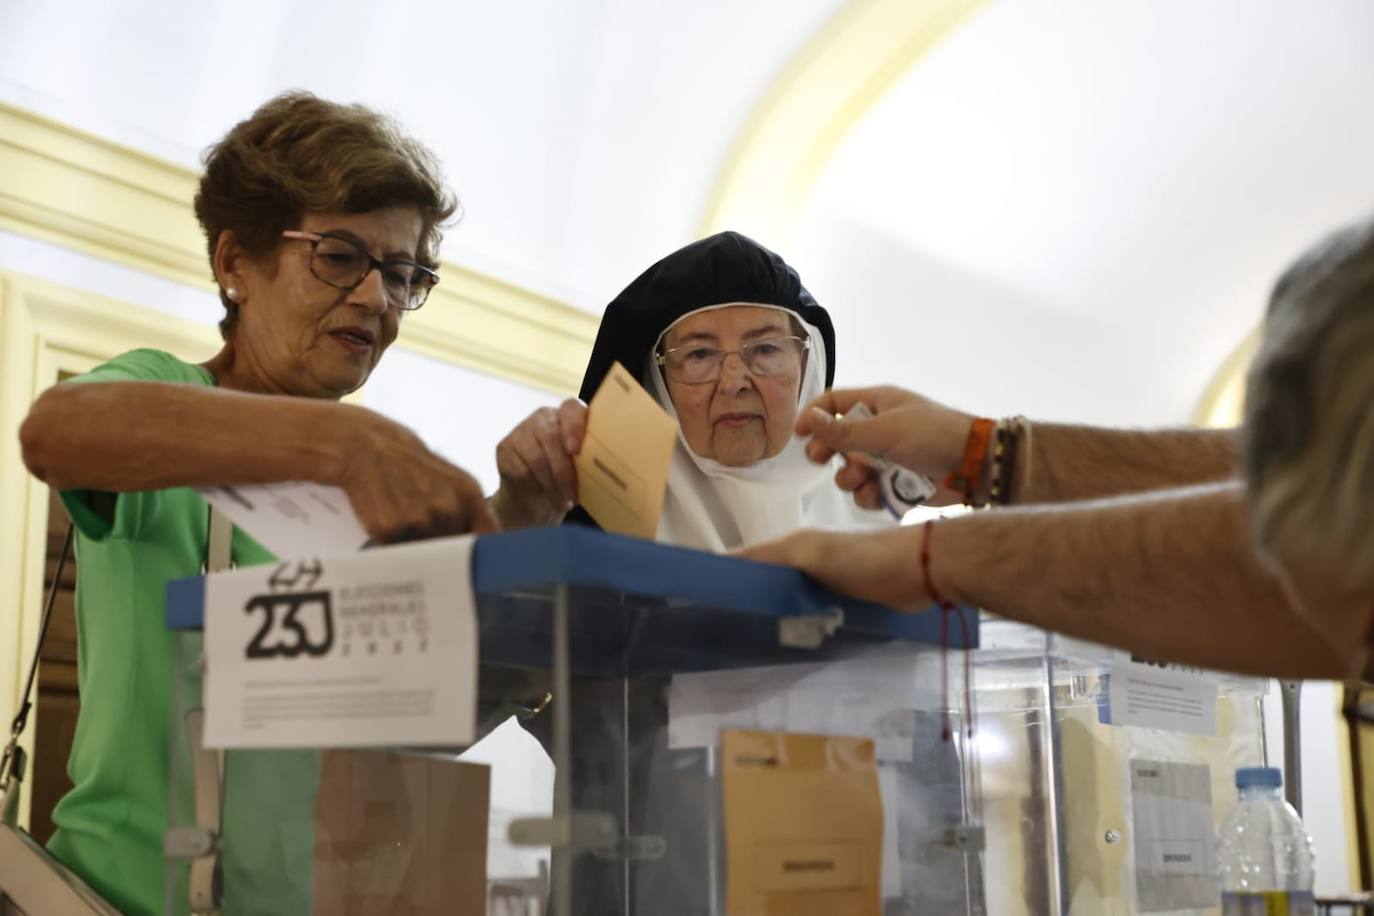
{"x": 399, "y": 834}
{"x": 623, "y": 466}
{"x": 803, "y": 825}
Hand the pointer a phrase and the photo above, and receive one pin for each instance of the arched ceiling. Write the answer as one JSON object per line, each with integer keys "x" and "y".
{"x": 1083, "y": 205}
{"x": 584, "y": 137}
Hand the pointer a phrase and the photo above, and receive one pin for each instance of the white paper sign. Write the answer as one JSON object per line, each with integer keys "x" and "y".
{"x": 292, "y": 519}
{"x": 1162, "y": 696}
{"x": 377, "y": 648}
{"x": 1175, "y": 867}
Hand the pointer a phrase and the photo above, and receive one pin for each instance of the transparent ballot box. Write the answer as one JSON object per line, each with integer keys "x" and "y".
{"x": 604, "y": 652}
{"x": 709, "y": 736}
{"x": 1087, "y": 814}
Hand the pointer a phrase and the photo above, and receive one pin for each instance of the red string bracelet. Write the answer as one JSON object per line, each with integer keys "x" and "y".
{"x": 935, "y": 596}
{"x": 946, "y": 609}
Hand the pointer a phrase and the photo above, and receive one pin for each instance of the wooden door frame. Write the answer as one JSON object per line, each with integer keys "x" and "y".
{"x": 47, "y": 329}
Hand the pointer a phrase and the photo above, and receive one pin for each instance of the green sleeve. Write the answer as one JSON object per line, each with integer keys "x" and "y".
{"x": 96, "y": 514}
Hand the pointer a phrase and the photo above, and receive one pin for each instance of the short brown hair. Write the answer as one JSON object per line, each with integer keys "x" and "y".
{"x": 299, "y": 153}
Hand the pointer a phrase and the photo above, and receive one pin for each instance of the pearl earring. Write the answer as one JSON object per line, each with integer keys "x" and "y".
{"x": 233, "y": 293}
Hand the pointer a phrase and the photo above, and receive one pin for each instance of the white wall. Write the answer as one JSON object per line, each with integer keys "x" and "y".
{"x": 906, "y": 318}
{"x": 1092, "y": 200}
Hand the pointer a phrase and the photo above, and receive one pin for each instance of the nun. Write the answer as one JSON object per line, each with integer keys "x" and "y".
{"x": 725, "y": 337}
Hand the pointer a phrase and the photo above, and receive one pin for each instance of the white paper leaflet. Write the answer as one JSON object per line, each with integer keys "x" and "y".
{"x": 377, "y": 648}
{"x": 1163, "y": 696}
{"x": 291, "y": 519}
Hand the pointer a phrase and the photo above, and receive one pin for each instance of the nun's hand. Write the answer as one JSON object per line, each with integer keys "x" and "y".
{"x": 538, "y": 478}
{"x": 911, "y": 430}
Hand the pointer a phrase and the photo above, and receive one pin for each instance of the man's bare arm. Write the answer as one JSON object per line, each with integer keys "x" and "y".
{"x": 1169, "y": 575}
{"x": 1054, "y": 463}
{"x": 1059, "y": 463}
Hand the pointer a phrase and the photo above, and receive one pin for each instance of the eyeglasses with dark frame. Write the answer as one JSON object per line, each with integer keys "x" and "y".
{"x": 344, "y": 264}
{"x": 694, "y": 364}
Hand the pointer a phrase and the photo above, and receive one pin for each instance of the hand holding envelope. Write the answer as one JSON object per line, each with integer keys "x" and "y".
{"x": 622, "y": 469}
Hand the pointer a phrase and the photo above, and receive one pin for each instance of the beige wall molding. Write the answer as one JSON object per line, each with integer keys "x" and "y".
{"x": 812, "y": 106}
{"x": 46, "y": 330}
{"x": 94, "y": 196}
{"x": 1224, "y": 400}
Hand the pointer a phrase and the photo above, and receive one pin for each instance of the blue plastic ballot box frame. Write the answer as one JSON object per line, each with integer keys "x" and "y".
{"x": 646, "y": 609}
{"x": 578, "y": 602}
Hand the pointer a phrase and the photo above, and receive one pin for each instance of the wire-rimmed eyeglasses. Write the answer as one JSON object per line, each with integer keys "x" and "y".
{"x": 694, "y": 363}
{"x": 344, "y": 264}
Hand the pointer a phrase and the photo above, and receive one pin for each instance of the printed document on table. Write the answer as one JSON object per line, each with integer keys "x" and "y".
{"x": 623, "y": 466}
{"x": 371, "y": 649}
{"x": 296, "y": 519}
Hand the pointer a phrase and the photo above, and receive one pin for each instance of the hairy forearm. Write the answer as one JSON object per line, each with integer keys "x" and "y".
{"x": 128, "y": 436}
{"x": 1170, "y": 575}
{"x": 1058, "y": 463}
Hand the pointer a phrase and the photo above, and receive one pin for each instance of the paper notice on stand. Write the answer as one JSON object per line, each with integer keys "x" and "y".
{"x": 622, "y": 468}
{"x": 296, "y": 519}
{"x": 374, "y": 649}
{"x": 1161, "y": 696}
{"x": 1172, "y": 829}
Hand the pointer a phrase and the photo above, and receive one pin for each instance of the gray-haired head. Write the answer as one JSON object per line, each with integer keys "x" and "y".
{"x": 1309, "y": 414}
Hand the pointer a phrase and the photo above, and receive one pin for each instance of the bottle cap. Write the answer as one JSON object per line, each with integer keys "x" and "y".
{"x": 1268, "y": 777}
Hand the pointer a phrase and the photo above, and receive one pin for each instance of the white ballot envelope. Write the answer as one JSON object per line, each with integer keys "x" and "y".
{"x": 622, "y": 469}
{"x": 297, "y": 519}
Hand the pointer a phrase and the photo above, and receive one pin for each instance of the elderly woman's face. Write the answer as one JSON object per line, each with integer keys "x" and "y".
{"x": 302, "y": 336}
{"x": 740, "y": 417}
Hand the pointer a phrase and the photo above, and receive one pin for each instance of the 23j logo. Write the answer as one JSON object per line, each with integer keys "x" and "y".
{"x": 296, "y": 618}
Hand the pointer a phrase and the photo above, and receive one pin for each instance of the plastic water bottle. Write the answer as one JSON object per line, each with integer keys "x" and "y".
{"x": 1264, "y": 853}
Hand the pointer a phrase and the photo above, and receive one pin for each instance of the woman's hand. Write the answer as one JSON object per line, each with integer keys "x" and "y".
{"x": 881, "y": 566}
{"x": 911, "y": 430}
{"x": 538, "y": 477}
{"x": 401, "y": 490}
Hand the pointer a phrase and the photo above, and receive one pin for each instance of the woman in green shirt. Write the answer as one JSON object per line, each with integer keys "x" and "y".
{"x": 322, "y": 223}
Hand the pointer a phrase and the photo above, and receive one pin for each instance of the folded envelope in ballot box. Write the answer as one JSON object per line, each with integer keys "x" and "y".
{"x": 803, "y": 825}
